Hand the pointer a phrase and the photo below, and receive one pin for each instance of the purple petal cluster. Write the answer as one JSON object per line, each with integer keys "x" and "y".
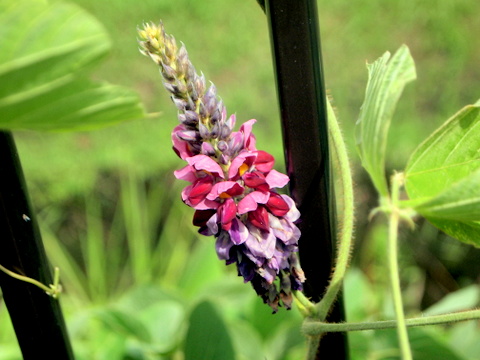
{"x": 232, "y": 184}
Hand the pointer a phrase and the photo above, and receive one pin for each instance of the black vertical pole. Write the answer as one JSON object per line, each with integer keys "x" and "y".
{"x": 36, "y": 317}
{"x": 300, "y": 85}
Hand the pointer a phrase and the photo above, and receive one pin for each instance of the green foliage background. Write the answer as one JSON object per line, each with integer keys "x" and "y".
{"x": 106, "y": 194}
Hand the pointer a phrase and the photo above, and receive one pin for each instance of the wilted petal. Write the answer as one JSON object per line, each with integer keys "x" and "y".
{"x": 276, "y": 179}
{"x": 212, "y": 224}
{"x": 251, "y": 201}
{"x": 293, "y": 214}
{"x": 268, "y": 274}
{"x": 284, "y": 230}
{"x": 223, "y": 246}
{"x": 262, "y": 243}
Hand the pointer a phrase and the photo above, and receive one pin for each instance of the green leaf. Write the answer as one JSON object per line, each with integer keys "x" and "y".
{"x": 386, "y": 80}
{"x": 426, "y": 344}
{"x": 461, "y": 201}
{"x": 443, "y": 173}
{"x": 460, "y": 300}
{"x": 207, "y": 336}
{"x": 164, "y": 320}
{"x": 45, "y": 52}
{"x": 121, "y": 322}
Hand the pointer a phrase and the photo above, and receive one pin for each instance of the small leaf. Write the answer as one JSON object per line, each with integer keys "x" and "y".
{"x": 386, "y": 80}
{"x": 460, "y": 300}
{"x": 207, "y": 336}
{"x": 443, "y": 173}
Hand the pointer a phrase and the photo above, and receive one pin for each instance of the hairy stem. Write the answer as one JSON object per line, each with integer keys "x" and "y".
{"x": 345, "y": 237}
{"x": 312, "y": 327}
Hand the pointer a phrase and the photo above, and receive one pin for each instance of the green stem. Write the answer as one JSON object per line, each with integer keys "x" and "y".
{"x": 314, "y": 328}
{"x": 345, "y": 237}
{"x": 394, "y": 272}
{"x": 345, "y": 243}
{"x": 52, "y": 290}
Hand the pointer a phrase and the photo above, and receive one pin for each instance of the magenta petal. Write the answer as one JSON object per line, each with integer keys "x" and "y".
{"x": 277, "y": 205}
{"x": 251, "y": 201}
{"x": 203, "y": 162}
{"x": 180, "y": 146}
{"x": 259, "y": 218}
{"x": 232, "y": 188}
{"x": 205, "y": 204}
{"x": 240, "y": 159}
{"x": 264, "y": 161}
{"x": 200, "y": 189}
{"x": 187, "y": 173}
{"x": 228, "y": 213}
{"x": 276, "y": 179}
{"x": 248, "y": 137}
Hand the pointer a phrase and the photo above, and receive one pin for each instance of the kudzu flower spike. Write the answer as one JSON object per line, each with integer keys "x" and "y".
{"x": 232, "y": 184}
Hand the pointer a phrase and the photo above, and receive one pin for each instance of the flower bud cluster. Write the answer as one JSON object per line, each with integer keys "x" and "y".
{"x": 232, "y": 185}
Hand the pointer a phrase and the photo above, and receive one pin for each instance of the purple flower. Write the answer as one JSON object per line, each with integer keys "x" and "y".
{"x": 232, "y": 185}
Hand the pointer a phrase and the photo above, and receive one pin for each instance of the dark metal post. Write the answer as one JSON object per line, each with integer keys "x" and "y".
{"x": 300, "y": 84}
{"x": 36, "y": 317}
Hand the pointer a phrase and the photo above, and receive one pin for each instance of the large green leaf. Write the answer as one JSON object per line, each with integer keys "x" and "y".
{"x": 386, "y": 80}
{"x": 207, "y": 336}
{"x": 443, "y": 176}
{"x": 45, "y": 53}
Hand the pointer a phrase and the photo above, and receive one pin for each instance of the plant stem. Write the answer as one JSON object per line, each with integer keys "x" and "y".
{"x": 345, "y": 237}
{"x": 312, "y": 328}
{"x": 54, "y": 289}
{"x": 392, "y": 249}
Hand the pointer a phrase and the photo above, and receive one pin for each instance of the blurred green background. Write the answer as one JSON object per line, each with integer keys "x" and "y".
{"x": 133, "y": 268}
